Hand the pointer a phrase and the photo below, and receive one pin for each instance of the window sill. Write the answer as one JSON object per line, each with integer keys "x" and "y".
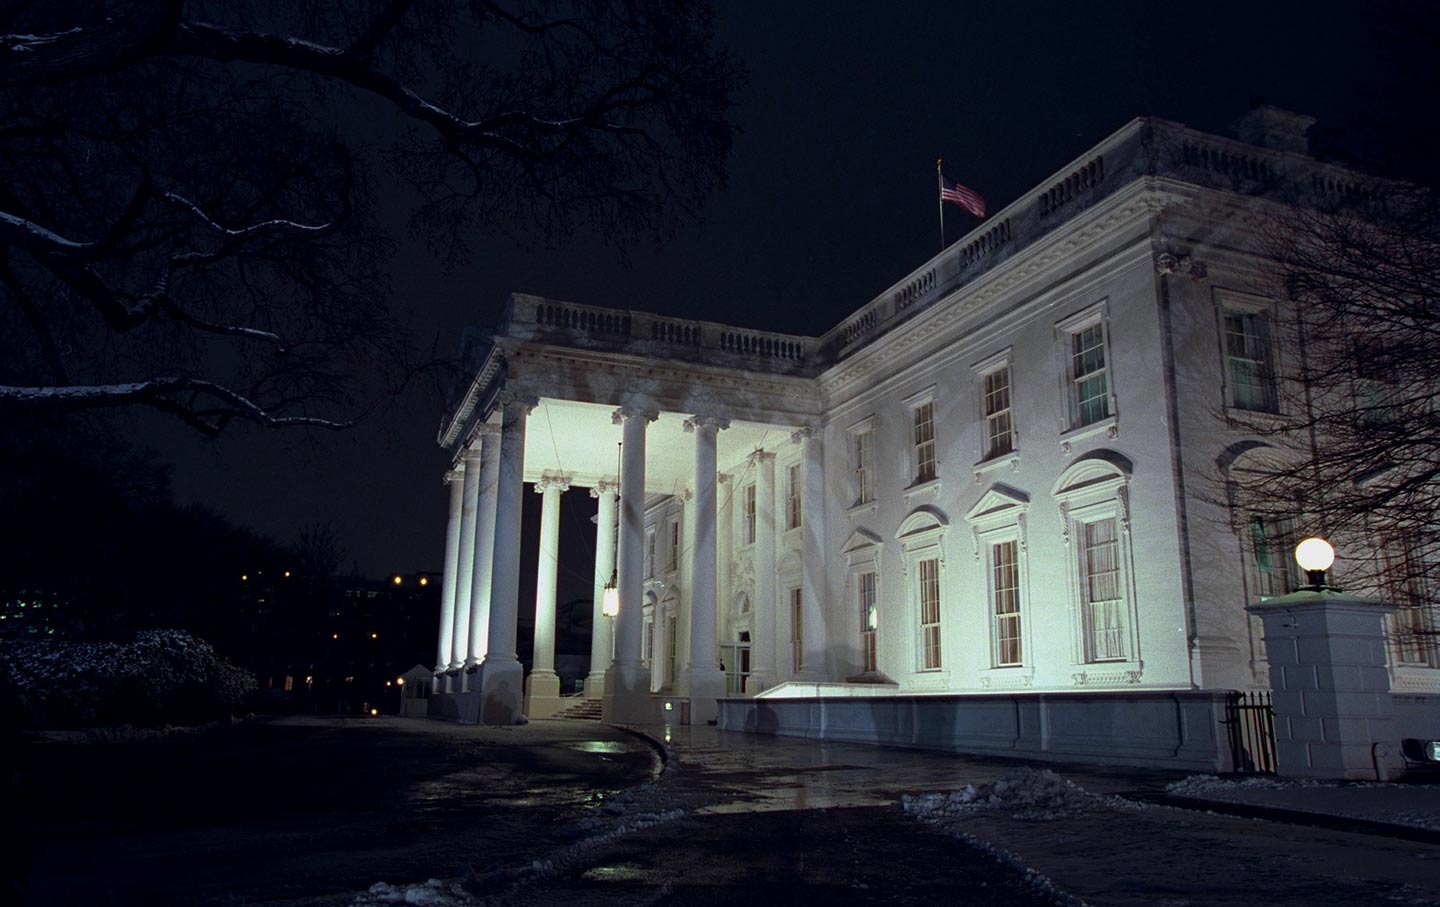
{"x": 929, "y": 485}
{"x": 861, "y": 509}
{"x": 1107, "y": 674}
{"x": 1253, "y": 420}
{"x": 1108, "y": 426}
{"x": 1007, "y": 677}
{"x": 995, "y": 463}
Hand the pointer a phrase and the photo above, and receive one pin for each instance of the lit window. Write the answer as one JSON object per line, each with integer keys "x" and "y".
{"x": 869, "y": 620}
{"x": 792, "y": 504}
{"x": 1005, "y": 591}
{"x": 923, "y": 439}
{"x": 1089, "y": 376}
{"x": 1249, "y": 369}
{"x": 1103, "y": 606}
{"x": 928, "y": 589}
{"x": 797, "y": 632}
{"x": 995, "y": 404}
{"x": 750, "y": 514}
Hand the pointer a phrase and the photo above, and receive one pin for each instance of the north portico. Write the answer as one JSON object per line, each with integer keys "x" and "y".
{"x": 559, "y": 418}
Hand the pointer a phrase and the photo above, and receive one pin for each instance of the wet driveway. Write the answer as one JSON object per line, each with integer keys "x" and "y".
{"x": 306, "y": 810}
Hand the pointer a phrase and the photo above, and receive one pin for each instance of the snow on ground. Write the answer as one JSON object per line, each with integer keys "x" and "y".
{"x": 1028, "y": 793}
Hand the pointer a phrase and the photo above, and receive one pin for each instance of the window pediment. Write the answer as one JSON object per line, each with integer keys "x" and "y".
{"x": 1098, "y": 472}
{"x": 999, "y": 503}
{"x": 860, "y": 540}
{"x": 923, "y": 526}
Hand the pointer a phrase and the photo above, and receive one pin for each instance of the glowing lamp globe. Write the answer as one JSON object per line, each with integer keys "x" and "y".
{"x": 1315, "y": 555}
{"x": 610, "y": 601}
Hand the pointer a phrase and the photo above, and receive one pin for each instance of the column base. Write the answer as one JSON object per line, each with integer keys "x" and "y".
{"x": 502, "y": 696}
{"x": 702, "y": 687}
{"x": 627, "y": 696}
{"x": 542, "y": 694}
{"x": 595, "y": 685}
{"x": 756, "y": 682}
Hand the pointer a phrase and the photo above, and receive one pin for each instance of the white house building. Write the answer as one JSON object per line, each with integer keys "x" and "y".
{"x": 979, "y": 513}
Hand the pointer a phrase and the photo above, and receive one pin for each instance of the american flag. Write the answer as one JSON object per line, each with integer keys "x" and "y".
{"x": 968, "y": 199}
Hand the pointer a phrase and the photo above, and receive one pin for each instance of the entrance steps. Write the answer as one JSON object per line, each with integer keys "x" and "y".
{"x": 581, "y": 710}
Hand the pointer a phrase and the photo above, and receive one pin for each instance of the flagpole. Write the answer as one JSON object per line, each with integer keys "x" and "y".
{"x": 940, "y": 194}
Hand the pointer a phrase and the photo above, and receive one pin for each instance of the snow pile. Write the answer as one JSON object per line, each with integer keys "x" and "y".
{"x": 1200, "y": 785}
{"x": 433, "y": 893}
{"x": 1034, "y": 794}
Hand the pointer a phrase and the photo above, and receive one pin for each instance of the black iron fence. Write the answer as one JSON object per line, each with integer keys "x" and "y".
{"x": 1250, "y": 718}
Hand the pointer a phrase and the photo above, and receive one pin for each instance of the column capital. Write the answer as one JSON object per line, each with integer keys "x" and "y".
{"x": 453, "y": 475}
{"x": 724, "y": 478}
{"x": 470, "y": 455}
{"x": 630, "y": 412}
{"x": 803, "y": 433}
{"x": 603, "y": 487}
{"x": 515, "y": 398}
{"x": 487, "y": 430}
{"x": 551, "y": 480}
{"x": 687, "y": 495}
{"x": 706, "y": 421}
{"x": 760, "y": 456}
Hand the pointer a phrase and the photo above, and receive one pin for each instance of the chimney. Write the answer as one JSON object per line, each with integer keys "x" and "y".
{"x": 1274, "y": 128}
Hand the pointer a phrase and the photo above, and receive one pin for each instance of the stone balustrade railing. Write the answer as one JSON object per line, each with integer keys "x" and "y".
{"x": 572, "y": 324}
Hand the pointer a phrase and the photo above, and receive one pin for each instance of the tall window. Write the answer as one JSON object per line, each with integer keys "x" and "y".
{"x": 1089, "y": 376}
{"x": 1417, "y": 632}
{"x": 750, "y": 514}
{"x": 864, "y": 448}
{"x": 1248, "y": 365}
{"x": 797, "y": 632}
{"x": 650, "y": 554}
{"x": 995, "y": 402}
{"x": 929, "y": 590}
{"x": 674, "y": 544}
{"x": 1273, "y": 569}
{"x": 924, "y": 441}
{"x": 672, "y": 647}
{"x": 1101, "y": 599}
{"x": 792, "y": 503}
{"x": 1005, "y": 594}
{"x": 869, "y": 621}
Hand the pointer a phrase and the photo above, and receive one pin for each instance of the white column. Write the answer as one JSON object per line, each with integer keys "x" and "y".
{"x": 481, "y": 575}
{"x": 702, "y": 680}
{"x": 627, "y": 691}
{"x": 763, "y": 643}
{"x": 456, "y": 480}
{"x": 601, "y": 638}
{"x": 501, "y": 675}
{"x": 812, "y": 582}
{"x": 460, "y": 623}
{"x": 542, "y": 687}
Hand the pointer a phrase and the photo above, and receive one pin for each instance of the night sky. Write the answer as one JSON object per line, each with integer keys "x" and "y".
{"x": 832, "y": 197}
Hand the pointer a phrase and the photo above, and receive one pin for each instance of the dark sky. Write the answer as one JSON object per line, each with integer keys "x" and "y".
{"x": 832, "y": 197}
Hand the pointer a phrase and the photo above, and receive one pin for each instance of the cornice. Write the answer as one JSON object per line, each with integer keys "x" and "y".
{"x": 1032, "y": 265}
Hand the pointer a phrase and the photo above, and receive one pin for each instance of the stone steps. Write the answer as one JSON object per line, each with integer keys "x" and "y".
{"x": 581, "y": 710}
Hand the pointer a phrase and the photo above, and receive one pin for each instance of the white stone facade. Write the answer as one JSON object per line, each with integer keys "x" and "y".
{"x": 996, "y": 478}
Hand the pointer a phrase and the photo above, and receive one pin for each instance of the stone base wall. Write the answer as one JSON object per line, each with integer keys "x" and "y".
{"x": 1416, "y": 715}
{"x": 461, "y": 707}
{"x": 1180, "y": 730}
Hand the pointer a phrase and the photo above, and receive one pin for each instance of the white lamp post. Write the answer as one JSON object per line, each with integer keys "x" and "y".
{"x": 1315, "y": 555}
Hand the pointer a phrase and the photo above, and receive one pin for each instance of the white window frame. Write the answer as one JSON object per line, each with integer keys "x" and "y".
{"x": 650, "y": 553}
{"x": 797, "y": 629}
{"x": 1414, "y": 627}
{"x": 862, "y": 558}
{"x": 1091, "y": 491}
{"x": 748, "y": 521}
{"x": 923, "y": 451}
{"x": 1231, "y": 302}
{"x": 794, "y": 495}
{"x": 984, "y": 371}
{"x": 672, "y": 546}
{"x": 862, "y": 461}
{"x": 1000, "y": 517}
{"x": 921, "y": 536}
{"x": 1097, "y": 317}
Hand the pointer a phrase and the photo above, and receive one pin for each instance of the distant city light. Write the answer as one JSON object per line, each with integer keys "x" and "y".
{"x": 397, "y": 580}
{"x": 387, "y": 683}
{"x": 244, "y": 577}
{"x": 334, "y": 635}
{"x": 287, "y": 574}
{"x": 374, "y": 635}
{"x": 374, "y": 712}
{"x": 399, "y": 681}
{"x": 424, "y": 580}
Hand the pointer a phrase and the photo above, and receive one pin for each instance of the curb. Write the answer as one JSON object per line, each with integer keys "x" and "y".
{"x": 1291, "y": 817}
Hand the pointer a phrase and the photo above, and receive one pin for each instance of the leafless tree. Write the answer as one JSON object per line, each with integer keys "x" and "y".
{"x": 1346, "y": 403}
{"x": 188, "y": 190}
